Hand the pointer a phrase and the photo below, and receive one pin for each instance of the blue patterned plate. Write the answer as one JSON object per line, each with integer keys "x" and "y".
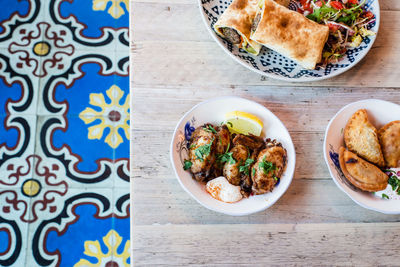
{"x": 379, "y": 113}
{"x": 274, "y": 65}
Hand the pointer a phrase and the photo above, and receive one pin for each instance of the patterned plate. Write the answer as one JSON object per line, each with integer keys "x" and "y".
{"x": 213, "y": 111}
{"x": 380, "y": 113}
{"x": 274, "y": 65}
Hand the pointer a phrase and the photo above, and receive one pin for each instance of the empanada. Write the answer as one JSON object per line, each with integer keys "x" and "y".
{"x": 361, "y": 137}
{"x": 361, "y": 173}
{"x": 389, "y": 136}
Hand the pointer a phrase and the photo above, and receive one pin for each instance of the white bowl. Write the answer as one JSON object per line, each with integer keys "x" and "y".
{"x": 380, "y": 113}
{"x": 213, "y": 111}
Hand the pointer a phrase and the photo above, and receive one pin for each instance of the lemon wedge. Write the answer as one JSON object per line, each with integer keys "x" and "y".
{"x": 243, "y": 122}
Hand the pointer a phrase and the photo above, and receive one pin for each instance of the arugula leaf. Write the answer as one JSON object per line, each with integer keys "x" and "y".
{"x": 203, "y": 151}
{"x": 187, "y": 164}
{"x": 266, "y": 166}
{"x": 246, "y": 167}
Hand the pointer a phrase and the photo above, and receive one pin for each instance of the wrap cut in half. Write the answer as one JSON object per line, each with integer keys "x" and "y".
{"x": 234, "y": 25}
{"x": 289, "y": 33}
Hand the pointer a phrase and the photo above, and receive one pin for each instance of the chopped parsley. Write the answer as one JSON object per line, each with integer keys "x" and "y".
{"x": 226, "y": 157}
{"x": 187, "y": 164}
{"x": 246, "y": 167}
{"x": 253, "y": 172}
{"x": 266, "y": 166}
{"x": 203, "y": 151}
{"x": 384, "y": 196}
{"x": 210, "y": 129}
{"x": 230, "y": 124}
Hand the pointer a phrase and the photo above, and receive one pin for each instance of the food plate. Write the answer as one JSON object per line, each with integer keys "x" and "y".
{"x": 213, "y": 111}
{"x": 272, "y": 64}
{"x": 380, "y": 113}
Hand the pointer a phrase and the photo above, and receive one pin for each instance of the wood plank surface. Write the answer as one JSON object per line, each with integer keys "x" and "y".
{"x": 268, "y": 245}
{"x": 175, "y": 64}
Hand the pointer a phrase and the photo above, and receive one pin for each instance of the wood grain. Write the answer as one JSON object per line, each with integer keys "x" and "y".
{"x": 175, "y": 64}
{"x": 267, "y": 245}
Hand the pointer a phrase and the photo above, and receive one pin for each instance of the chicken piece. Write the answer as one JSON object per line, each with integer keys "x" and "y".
{"x": 245, "y": 180}
{"x": 269, "y": 167}
{"x": 251, "y": 141}
{"x": 202, "y": 152}
{"x": 222, "y": 144}
{"x": 231, "y": 170}
{"x": 223, "y": 138}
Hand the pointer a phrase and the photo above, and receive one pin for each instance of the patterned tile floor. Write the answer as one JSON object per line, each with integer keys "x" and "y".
{"x": 64, "y": 111}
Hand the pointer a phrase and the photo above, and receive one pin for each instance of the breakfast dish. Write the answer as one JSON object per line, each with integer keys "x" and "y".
{"x": 290, "y": 33}
{"x": 361, "y": 137}
{"x": 361, "y": 173}
{"x": 389, "y": 137}
{"x": 248, "y": 163}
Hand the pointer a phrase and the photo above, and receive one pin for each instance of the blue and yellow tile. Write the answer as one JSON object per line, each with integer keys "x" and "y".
{"x": 64, "y": 114}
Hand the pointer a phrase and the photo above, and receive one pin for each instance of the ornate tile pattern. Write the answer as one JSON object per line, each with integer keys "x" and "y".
{"x": 64, "y": 106}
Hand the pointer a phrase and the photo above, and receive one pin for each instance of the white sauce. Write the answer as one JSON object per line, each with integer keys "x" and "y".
{"x": 220, "y": 189}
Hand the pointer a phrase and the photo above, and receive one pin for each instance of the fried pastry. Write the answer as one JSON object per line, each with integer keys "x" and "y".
{"x": 361, "y": 137}
{"x": 389, "y": 137}
{"x": 361, "y": 173}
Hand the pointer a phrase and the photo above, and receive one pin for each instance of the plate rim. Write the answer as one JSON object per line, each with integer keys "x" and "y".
{"x": 270, "y": 204}
{"x": 327, "y": 160}
{"x": 294, "y": 80}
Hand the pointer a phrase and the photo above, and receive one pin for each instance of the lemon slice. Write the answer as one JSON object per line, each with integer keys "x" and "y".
{"x": 243, "y": 122}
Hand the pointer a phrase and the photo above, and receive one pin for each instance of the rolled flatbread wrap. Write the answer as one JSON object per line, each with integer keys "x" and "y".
{"x": 289, "y": 33}
{"x": 235, "y": 23}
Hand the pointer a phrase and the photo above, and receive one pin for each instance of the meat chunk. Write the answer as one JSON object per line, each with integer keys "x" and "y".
{"x": 231, "y": 170}
{"x": 202, "y": 152}
{"x": 268, "y": 169}
{"x": 251, "y": 141}
{"x": 231, "y": 35}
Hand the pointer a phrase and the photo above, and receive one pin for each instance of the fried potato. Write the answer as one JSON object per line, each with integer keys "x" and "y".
{"x": 361, "y": 137}
{"x": 389, "y": 137}
{"x": 361, "y": 173}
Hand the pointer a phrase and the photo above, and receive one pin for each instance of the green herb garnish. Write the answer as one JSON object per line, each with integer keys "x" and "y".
{"x": 203, "y": 151}
{"x": 230, "y": 124}
{"x": 246, "y": 167}
{"x": 385, "y": 196}
{"x": 187, "y": 164}
{"x": 210, "y": 129}
{"x": 266, "y": 166}
{"x": 226, "y": 157}
{"x": 253, "y": 171}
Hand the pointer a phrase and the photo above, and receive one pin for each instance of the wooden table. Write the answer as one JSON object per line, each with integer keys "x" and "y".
{"x": 175, "y": 65}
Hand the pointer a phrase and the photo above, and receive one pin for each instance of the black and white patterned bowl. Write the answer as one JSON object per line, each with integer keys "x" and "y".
{"x": 273, "y": 64}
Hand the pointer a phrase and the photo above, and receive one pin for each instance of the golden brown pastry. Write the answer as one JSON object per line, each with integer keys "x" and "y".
{"x": 389, "y": 137}
{"x": 361, "y": 173}
{"x": 289, "y": 33}
{"x": 361, "y": 137}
